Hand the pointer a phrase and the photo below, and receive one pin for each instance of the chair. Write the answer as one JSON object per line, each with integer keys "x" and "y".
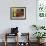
{"x": 25, "y": 37}
{"x": 14, "y": 32}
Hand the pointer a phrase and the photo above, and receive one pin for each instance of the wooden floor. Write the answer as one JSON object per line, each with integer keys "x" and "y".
{"x": 13, "y": 44}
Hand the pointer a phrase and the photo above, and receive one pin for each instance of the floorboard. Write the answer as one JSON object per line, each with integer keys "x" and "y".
{"x": 13, "y": 44}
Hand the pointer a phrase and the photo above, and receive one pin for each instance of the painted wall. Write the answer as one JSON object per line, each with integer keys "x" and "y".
{"x": 24, "y": 25}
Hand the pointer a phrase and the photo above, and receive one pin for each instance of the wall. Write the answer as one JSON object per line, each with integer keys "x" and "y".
{"x": 24, "y": 25}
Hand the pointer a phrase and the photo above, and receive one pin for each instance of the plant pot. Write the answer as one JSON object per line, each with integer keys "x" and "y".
{"x": 40, "y": 41}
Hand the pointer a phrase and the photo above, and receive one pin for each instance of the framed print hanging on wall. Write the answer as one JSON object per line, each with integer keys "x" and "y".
{"x": 18, "y": 13}
{"x": 41, "y": 8}
{"x": 41, "y": 12}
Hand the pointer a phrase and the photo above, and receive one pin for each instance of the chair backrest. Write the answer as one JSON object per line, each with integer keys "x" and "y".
{"x": 14, "y": 30}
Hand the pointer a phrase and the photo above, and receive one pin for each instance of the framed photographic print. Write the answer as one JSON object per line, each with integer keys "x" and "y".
{"x": 41, "y": 12}
{"x": 18, "y": 13}
{"x": 41, "y": 8}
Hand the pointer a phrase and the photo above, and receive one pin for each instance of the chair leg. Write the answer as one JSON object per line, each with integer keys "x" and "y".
{"x": 5, "y": 44}
{"x": 5, "y": 40}
{"x": 17, "y": 39}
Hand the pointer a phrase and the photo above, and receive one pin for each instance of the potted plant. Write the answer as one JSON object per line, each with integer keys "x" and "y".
{"x": 39, "y": 35}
